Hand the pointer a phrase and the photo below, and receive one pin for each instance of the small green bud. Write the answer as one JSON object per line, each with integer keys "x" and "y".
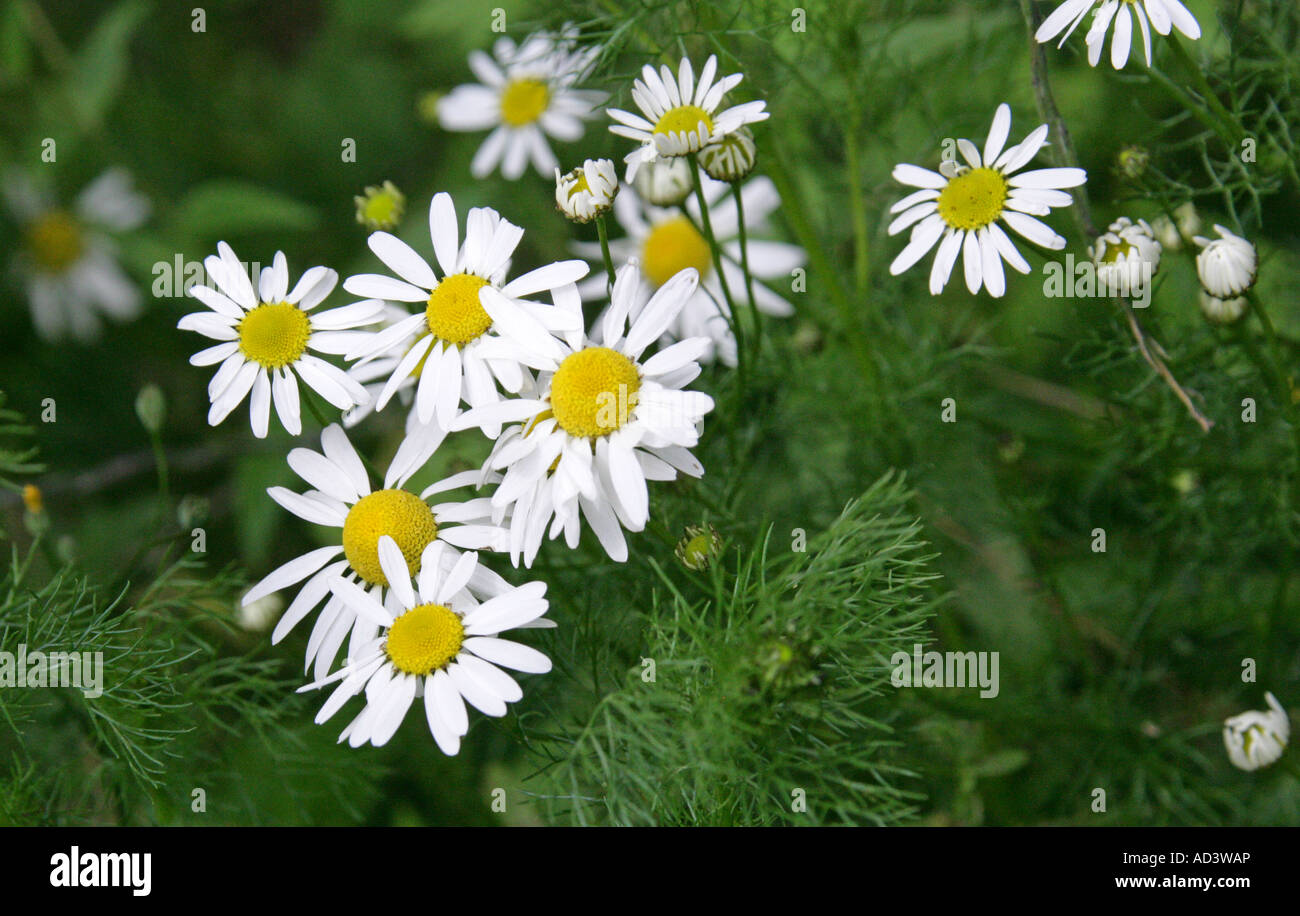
{"x": 151, "y": 407}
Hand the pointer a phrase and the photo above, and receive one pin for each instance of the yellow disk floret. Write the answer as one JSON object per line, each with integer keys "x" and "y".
{"x": 684, "y": 119}
{"x": 55, "y": 241}
{"x": 402, "y": 516}
{"x": 274, "y": 334}
{"x": 454, "y": 314}
{"x": 973, "y": 199}
{"x": 593, "y": 392}
{"x": 524, "y": 101}
{"x": 424, "y": 639}
{"x": 671, "y": 247}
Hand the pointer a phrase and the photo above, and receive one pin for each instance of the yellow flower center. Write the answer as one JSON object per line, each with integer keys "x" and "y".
{"x": 973, "y": 199}
{"x": 55, "y": 241}
{"x": 593, "y": 392}
{"x": 579, "y": 185}
{"x": 274, "y": 334}
{"x": 402, "y": 516}
{"x": 424, "y": 639}
{"x": 524, "y": 101}
{"x": 1116, "y": 252}
{"x": 671, "y": 247}
{"x": 684, "y": 119}
{"x": 454, "y": 314}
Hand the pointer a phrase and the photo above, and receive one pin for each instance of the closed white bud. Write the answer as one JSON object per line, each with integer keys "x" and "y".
{"x": 731, "y": 158}
{"x": 663, "y": 182}
{"x": 1127, "y": 255}
{"x": 588, "y": 191}
{"x": 1226, "y": 265}
{"x": 1223, "y": 311}
{"x": 1257, "y": 738}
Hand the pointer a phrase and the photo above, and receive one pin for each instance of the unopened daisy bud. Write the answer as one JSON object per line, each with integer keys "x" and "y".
{"x": 33, "y": 500}
{"x": 427, "y": 106}
{"x": 380, "y": 207}
{"x": 699, "y": 546}
{"x": 731, "y": 158}
{"x": 1257, "y": 738}
{"x": 258, "y": 615}
{"x": 1131, "y": 163}
{"x": 151, "y": 407}
{"x": 663, "y": 182}
{"x": 1127, "y": 256}
{"x": 588, "y": 191}
{"x": 1223, "y": 311}
{"x": 1226, "y": 265}
{"x": 192, "y": 511}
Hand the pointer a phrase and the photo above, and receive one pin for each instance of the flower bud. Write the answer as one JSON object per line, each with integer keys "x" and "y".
{"x": 1226, "y": 265}
{"x": 588, "y": 191}
{"x": 151, "y": 407}
{"x": 381, "y": 207}
{"x": 664, "y": 182}
{"x": 1256, "y": 739}
{"x": 731, "y": 158}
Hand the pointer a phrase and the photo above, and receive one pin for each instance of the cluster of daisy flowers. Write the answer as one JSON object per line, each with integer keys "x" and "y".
{"x": 402, "y": 601}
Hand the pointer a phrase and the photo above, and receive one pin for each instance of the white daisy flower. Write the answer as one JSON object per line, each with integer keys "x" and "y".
{"x": 1226, "y": 265}
{"x": 265, "y": 336}
{"x": 341, "y": 497}
{"x": 1257, "y": 739}
{"x": 1127, "y": 256}
{"x": 68, "y": 260}
{"x": 1163, "y": 15}
{"x": 524, "y": 95}
{"x": 664, "y": 242}
{"x": 586, "y": 192}
{"x": 434, "y": 640}
{"x": 603, "y": 424}
{"x": 456, "y": 354}
{"x": 962, "y": 206}
{"x": 681, "y": 115}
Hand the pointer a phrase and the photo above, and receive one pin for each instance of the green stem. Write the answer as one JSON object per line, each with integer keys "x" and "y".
{"x": 1210, "y": 100}
{"x": 744, "y": 264}
{"x": 603, "y": 231}
{"x": 858, "y": 208}
{"x": 164, "y": 480}
{"x": 716, "y": 249}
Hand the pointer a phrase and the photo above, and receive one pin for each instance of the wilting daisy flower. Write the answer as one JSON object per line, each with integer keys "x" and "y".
{"x": 68, "y": 260}
{"x": 1256, "y": 739}
{"x": 434, "y": 640}
{"x": 1127, "y": 256}
{"x": 523, "y": 96}
{"x": 1226, "y": 265}
{"x": 1163, "y": 15}
{"x": 664, "y": 242}
{"x": 681, "y": 115}
{"x": 962, "y": 206}
{"x": 265, "y": 334}
{"x": 603, "y": 424}
{"x": 586, "y": 192}
{"x": 341, "y": 497}
{"x": 455, "y": 354}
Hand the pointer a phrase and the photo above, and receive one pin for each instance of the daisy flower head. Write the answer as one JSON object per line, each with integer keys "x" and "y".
{"x": 732, "y": 158}
{"x": 1223, "y": 311}
{"x": 433, "y": 639}
{"x": 665, "y": 241}
{"x": 525, "y": 94}
{"x": 1227, "y": 265}
{"x": 960, "y": 207}
{"x": 664, "y": 182}
{"x": 341, "y": 497}
{"x": 266, "y": 334}
{"x": 1127, "y": 256}
{"x": 1162, "y": 15}
{"x": 452, "y": 347}
{"x": 681, "y": 115}
{"x": 605, "y": 421}
{"x": 68, "y": 260}
{"x": 586, "y": 192}
{"x": 1257, "y": 738}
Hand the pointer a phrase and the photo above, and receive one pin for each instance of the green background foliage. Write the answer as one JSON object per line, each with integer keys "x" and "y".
{"x": 771, "y": 668}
